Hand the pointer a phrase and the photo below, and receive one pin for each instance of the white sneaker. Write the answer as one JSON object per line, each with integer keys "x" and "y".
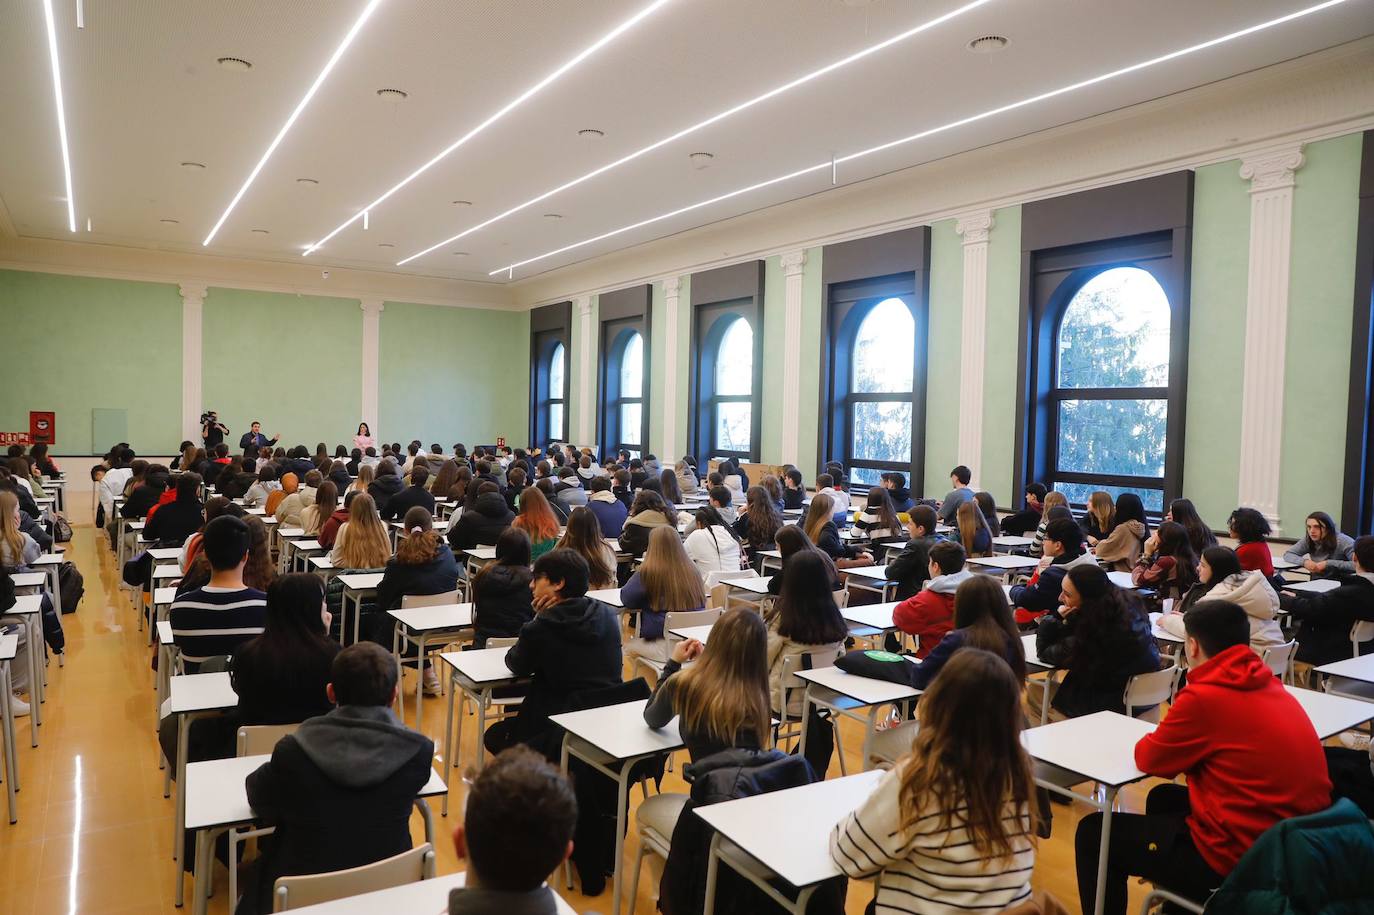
{"x": 431, "y": 683}
{"x": 19, "y": 707}
{"x": 1355, "y": 740}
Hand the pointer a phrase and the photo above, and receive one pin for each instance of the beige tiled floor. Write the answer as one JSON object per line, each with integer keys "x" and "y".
{"x": 94, "y": 834}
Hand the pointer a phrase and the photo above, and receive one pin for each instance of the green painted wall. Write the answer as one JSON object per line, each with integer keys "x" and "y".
{"x": 72, "y": 343}
{"x": 809, "y": 379}
{"x": 942, "y": 367}
{"x": 1216, "y": 340}
{"x": 1317, "y": 359}
{"x": 773, "y": 395}
{"x": 999, "y": 373}
{"x": 290, "y": 361}
{"x": 451, "y": 375}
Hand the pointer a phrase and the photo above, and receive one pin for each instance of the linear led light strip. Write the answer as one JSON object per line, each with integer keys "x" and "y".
{"x": 992, "y": 112}
{"x": 505, "y": 110}
{"x": 61, "y": 113}
{"x": 715, "y": 118}
{"x": 300, "y": 106}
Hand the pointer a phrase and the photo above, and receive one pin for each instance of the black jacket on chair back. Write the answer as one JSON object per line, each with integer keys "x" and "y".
{"x": 481, "y": 524}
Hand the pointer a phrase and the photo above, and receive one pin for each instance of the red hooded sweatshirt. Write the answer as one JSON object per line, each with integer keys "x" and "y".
{"x": 1248, "y": 749}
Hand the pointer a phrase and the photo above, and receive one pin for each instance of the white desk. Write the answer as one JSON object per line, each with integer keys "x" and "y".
{"x": 477, "y": 557}
{"x": 1360, "y": 669}
{"x": 752, "y": 585}
{"x": 1099, "y": 748}
{"x": 217, "y": 799}
{"x": 1331, "y": 714}
{"x": 1162, "y": 635}
{"x": 769, "y": 559}
{"x": 609, "y": 596}
{"x": 788, "y": 832}
{"x": 476, "y": 675}
{"x": 191, "y": 696}
{"x": 1122, "y": 580}
{"x": 52, "y": 564}
{"x": 29, "y": 608}
{"x": 869, "y": 578}
{"x": 9, "y": 649}
{"x": 1004, "y": 565}
{"x": 358, "y": 585}
{"x": 422, "y": 627}
{"x": 602, "y": 737}
{"x": 426, "y": 897}
{"x": 1006, "y": 543}
{"x": 31, "y": 582}
{"x": 845, "y": 693}
{"x": 1315, "y": 586}
{"x": 700, "y": 633}
{"x": 166, "y": 573}
{"x": 874, "y": 616}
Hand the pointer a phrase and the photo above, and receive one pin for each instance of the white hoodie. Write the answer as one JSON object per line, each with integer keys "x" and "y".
{"x": 1253, "y": 593}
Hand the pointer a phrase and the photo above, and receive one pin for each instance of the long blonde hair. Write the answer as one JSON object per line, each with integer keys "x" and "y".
{"x": 822, "y": 510}
{"x": 670, "y": 578}
{"x": 1101, "y": 506}
{"x": 365, "y": 476}
{"x": 725, "y": 693}
{"x": 10, "y": 533}
{"x": 363, "y": 543}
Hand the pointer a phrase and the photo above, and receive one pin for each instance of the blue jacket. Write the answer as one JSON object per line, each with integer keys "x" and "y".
{"x": 611, "y": 515}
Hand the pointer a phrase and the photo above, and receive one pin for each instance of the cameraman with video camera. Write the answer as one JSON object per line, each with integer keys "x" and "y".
{"x": 212, "y": 431}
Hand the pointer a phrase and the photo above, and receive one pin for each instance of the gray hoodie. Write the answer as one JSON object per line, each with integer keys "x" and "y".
{"x": 948, "y": 584}
{"x": 359, "y": 746}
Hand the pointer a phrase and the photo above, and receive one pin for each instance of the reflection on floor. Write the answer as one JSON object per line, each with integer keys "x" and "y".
{"x": 94, "y": 834}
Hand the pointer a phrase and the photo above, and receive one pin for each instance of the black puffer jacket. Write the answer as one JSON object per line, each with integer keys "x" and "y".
{"x": 1095, "y": 680}
{"x": 501, "y": 603}
{"x": 482, "y": 523}
{"x": 382, "y": 489}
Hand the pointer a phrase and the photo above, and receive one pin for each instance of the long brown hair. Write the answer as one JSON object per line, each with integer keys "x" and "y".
{"x": 725, "y": 693}
{"x": 792, "y": 539}
{"x": 583, "y": 537}
{"x": 646, "y": 500}
{"x": 671, "y": 580}
{"x": 764, "y": 517}
{"x": 420, "y": 544}
{"x": 970, "y": 520}
{"x": 968, "y": 757}
{"x": 258, "y": 571}
{"x": 880, "y": 503}
{"x": 536, "y": 518}
{"x": 362, "y": 542}
{"x": 981, "y": 609}
{"x": 1100, "y": 506}
{"x": 672, "y": 493}
{"x": 443, "y": 481}
{"x": 822, "y": 510}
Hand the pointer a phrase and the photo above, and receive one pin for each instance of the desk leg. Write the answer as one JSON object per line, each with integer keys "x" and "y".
{"x": 448, "y": 740}
{"x": 7, "y": 713}
{"x": 428, "y": 818}
{"x": 1102, "y": 849}
{"x": 563, "y": 764}
{"x": 712, "y": 867}
{"x": 805, "y": 717}
{"x": 400, "y": 682}
{"x": 868, "y": 739}
{"x": 621, "y": 801}
{"x": 419, "y": 683}
{"x": 183, "y": 732}
{"x": 483, "y": 701}
{"x": 55, "y": 577}
{"x": 34, "y": 628}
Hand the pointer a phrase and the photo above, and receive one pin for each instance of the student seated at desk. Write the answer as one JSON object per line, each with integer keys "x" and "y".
{"x": 280, "y": 676}
{"x": 38, "y": 456}
{"x": 686, "y": 477}
{"x": 18, "y": 550}
{"x": 1250, "y": 756}
{"x": 568, "y": 489}
{"x": 583, "y": 536}
{"x": 256, "y": 496}
{"x": 145, "y": 493}
{"x": 416, "y": 494}
{"x": 712, "y": 545}
{"x": 987, "y": 507}
{"x": 1056, "y": 506}
{"x": 1323, "y": 551}
{"x": 314, "y": 515}
{"x": 911, "y": 567}
{"x": 538, "y": 520}
{"x": 481, "y": 524}
{"x": 339, "y": 791}
{"x": 839, "y": 499}
{"x": 972, "y": 529}
{"x": 235, "y": 480}
{"x": 719, "y": 498}
{"x": 1182, "y": 511}
{"x": 1100, "y": 637}
{"x": 982, "y": 619}
{"x": 502, "y": 602}
{"x": 288, "y": 510}
{"x": 1249, "y": 528}
{"x": 793, "y": 489}
{"x": 177, "y": 520}
{"x": 385, "y": 485}
{"x": 518, "y": 822}
{"x": 758, "y": 525}
{"x": 1027, "y": 519}
{"x": 1120, "y": 549}
{"x": 949, "y": 828}
{"x": 213, "y": 620}
{"x": 821, "y": 530}
{"x": 330, "y": 524}
{"x": 667, "y": 582}
{"x": 878, "y": 518}
{"x": 610, "y": 512}
{"x": 19, "y": 664}
{"x": 258, "y": 572}
{"x": 649, "y": 512}
{"x": 895, "y": 485}
{"x": 1063, "y": 549}
{"x": 1220, "y": 577}
{"x": 929, "y": 615}
{"x": 805, "y": 620}
{"x": 959, "y": 479}
{"x": 1167, "y": 562}
{"x": 423, "y": 564}
{"x": 572, "y": 645}
{"x": 791, "y": 541}
{"x": 1325, "y": 620}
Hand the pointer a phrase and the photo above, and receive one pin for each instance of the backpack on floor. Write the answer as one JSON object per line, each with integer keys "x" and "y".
{"x": 61, "y": 529}
{"x": 73, "y": 586}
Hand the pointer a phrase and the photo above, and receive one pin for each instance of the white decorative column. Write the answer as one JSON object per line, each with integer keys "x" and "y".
{"x": 372, "y": 337}
{"x": 1266, "y": 326}
{"x": 793, "y": 262}
{"x": 586, "y": 420}
{"x": 974, "y": 228}
{"x": 192, "y": 306}
{"x": 672, "y": 292}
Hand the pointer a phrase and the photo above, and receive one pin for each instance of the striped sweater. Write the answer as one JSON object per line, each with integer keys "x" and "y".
{"x": 926, "y": 869}
{"x": 210, "y": 622}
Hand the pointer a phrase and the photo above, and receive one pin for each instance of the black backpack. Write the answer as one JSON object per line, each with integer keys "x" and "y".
{"x": 73, "y": 586}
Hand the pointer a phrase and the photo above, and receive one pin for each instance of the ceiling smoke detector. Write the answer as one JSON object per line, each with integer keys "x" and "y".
{"x": 237, "y": 64}
{"x": 988, "y": 44}
{"x": 701, "y": 160}
{"x": 393, "y": 95}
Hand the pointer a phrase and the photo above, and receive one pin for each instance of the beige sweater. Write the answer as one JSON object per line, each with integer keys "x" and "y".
{"x": 1121, "y": 548}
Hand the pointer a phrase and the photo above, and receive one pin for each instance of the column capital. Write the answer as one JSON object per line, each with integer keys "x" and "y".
{"x": 672, "y": 285}
{"x": 192, "y": 294}
{"x": 793, "y": 262}
{"x": 975, "y": 226}
{"x": 582, "y": 305}
{"x": 372, "y": 305}
{"x": 1272, "y": 170}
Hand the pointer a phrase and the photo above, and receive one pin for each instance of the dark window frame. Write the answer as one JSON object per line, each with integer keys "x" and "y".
{"x": 549, "y": 325}
{"x": 713, "y": 321}
{"x": 1357, "y": 509}
{"x": 615, "y": 336}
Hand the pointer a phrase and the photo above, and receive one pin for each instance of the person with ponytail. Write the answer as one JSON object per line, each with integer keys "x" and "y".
{"x": 423, "y": 564}
{"x": 501, "y": 599}
{"x": 711, "y": 545}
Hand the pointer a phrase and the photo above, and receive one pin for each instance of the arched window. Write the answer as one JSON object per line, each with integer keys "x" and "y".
{"x": 732, "y": 409}
{"x": 878, "y": 405}
{"x": 1111, "y": 386}
{"x": 554, "y": 395}
{"x": 625, "y": 392}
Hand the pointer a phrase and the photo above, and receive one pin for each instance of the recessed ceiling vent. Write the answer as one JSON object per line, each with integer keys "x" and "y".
{"x": 237, "y": 64}
{"x": 988, "y": 44}
{"x": 393, "y": 95}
